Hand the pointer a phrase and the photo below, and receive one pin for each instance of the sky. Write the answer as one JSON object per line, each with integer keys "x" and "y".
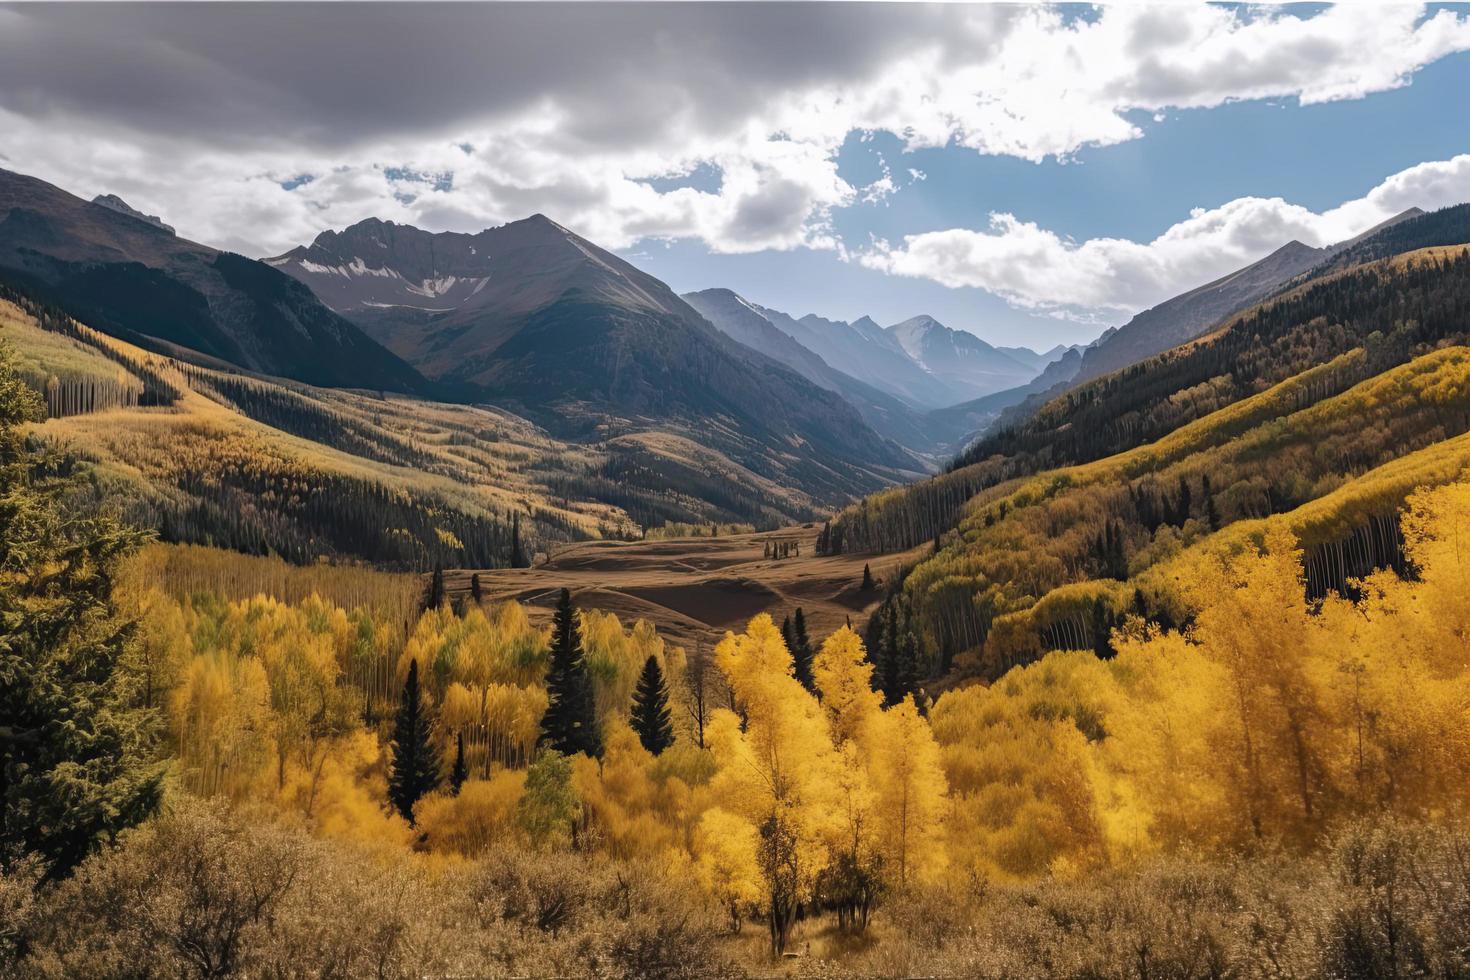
{"x": 1030, "y": 173}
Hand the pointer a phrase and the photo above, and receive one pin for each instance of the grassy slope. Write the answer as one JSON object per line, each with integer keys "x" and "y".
{"x": 473, "y": 460}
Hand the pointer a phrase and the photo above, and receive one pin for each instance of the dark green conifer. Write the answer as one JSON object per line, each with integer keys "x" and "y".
{"x": 475, "y": 592}
{"x": 868, "y": 585}
{"x": 650, "y": 717}
{"x": 801, "y": 652}
{"x": 460, "y": 772}
{"x": 415, "y": 768}
{"x": 434, "y": 598}
{"x": 518, "y": 556}
{"x": 570, "y": 722}
{"x": 77, "y": 740}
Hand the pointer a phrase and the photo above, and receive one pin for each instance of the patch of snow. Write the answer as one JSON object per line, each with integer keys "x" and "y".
{"x": 409, "y": 306}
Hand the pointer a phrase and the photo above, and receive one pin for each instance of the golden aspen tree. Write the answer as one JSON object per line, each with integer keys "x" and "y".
{"x": 778, "y": 771}
{"x": 726, "y": 865}
{"x": 911, "y": 794}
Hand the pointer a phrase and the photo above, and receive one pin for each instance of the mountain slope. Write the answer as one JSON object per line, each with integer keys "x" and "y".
{"x": 968, "y": 365}
{"x": 1186, "y": 316}
{"x": 131, "y": 277}
{"x": 865, "y": 351}
{"x": 744, "y": 322}
{"x": 542, "y": 321}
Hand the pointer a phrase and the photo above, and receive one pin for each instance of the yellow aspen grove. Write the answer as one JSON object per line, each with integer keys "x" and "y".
{"x": 845, "y": 677}
{"x": 912, "y": 795}
{"x": 778, "y": 771}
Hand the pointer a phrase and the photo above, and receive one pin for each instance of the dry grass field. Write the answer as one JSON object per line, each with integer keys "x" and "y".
{"x": 694, "y": 589}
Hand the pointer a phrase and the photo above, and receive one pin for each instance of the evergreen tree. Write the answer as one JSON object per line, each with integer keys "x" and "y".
{"x": 434, "y": 598}
{"x": 787, "y": 636}
{"x": 801, "y": 652}
{"x": 570, "y": 723}
{"x": 868, "y": 585}
{"x": 460, "y": 772}
{"x": 475, "y": 592}
{"x": 518, "y": 556}
{"x": 650, "y": 716}
{"x": 415, "y": 769}
{"x": 908, "y": 667}
{"x": 77, "y": 761}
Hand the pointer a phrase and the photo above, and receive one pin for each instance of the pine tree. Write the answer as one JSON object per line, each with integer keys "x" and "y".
{"x": 415, "y": 769}
{"x": 460, "y": 772}
{"x": 801, "y": 652}
{"x": 650, "y": 716}
{"x": 434, "y": 598}
{"x": 77, "y": 763}
{"x": 518, "y": 557}
{"x": 787, "y": 636}
{"x": 868, "y": 585}
{"x": 908, "y": 667}
{"x": 570, "y": 723}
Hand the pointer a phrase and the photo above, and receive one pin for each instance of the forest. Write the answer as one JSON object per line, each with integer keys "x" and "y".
{"x": 270, "y": 769}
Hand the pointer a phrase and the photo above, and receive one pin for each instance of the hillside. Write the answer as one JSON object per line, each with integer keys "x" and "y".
{"x": 540, "y": 321}
{"x": 213, "y": 456}
{"x": 1186, "y": 316}
{"x": 1328, "y": 404}
{"x": 134, "y": 278}
{"x": 890, "y": 416}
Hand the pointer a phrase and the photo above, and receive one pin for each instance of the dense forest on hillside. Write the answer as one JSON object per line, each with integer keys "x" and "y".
{"x": 264, "y": 466}
{"x": 1392, "y": 311}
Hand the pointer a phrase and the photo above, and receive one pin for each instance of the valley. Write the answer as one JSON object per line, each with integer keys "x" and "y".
{"x": 695, "y": 589}
{"x": 633, "y": 633}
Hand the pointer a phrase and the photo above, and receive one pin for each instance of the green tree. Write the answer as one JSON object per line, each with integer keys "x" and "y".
{"x": 800, "y": 645}
{"x": 518, "y": 556}
{"x": 415, "y": 770}
{"x": 434, "y": 598}
{"x": 460, "y": 772}
{"x": 650, "y": 717}
{"x": 868, "y": 585}
{"x": 77, "y": 762}
{"x": 475, "y": 591}
{"x": 570, "y": 723}
{"x": 549, "y": 809}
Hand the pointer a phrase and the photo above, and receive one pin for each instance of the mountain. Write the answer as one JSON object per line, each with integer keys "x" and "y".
{"x": 865, "y": 351}
{"x": 969, "y": 366}
{"x": 973, "y": 419}
{"x": 115, "y": 203}
{"x": 1186, "y": 316}
{"x": 1038, "y": 362}
{"x": 749, "y": 325}
{"x": 541, "y": 321}
{"x": 134, "y": 278}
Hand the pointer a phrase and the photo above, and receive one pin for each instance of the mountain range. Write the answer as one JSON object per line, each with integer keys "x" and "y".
{"x": 535, "y": 319}
{"x": 131, "y": 276}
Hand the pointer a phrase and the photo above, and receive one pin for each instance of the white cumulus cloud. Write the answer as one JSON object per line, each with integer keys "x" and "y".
{"x": 1106, "y": 278}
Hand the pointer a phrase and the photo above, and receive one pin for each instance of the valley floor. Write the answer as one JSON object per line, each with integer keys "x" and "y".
{"x": 694, "y": 589}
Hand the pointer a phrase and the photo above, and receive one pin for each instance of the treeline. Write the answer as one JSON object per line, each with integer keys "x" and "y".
{"x": 147, "y": 371}
{"x": 280, "y": 406}
{"x": 238, "y": 495}
{"x": 1115, "y": 520}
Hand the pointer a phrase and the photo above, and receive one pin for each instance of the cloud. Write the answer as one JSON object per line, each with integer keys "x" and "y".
{"x": 1036, "y": 269}
{"x": 208, "y": 114}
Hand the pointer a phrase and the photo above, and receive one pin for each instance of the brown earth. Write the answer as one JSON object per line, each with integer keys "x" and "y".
{"x": 694, "y": 589}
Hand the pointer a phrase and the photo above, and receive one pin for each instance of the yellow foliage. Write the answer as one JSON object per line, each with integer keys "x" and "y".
{"x": 481, "y": 816}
